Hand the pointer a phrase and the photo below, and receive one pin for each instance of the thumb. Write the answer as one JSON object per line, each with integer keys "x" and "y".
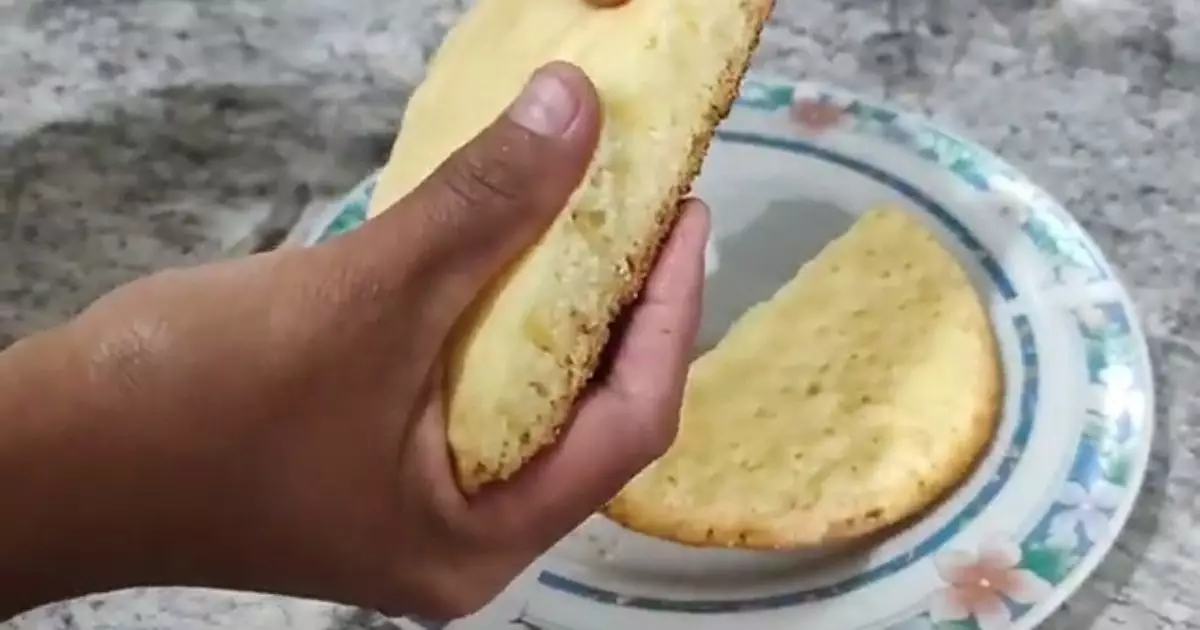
{"x": 493, "y": 197}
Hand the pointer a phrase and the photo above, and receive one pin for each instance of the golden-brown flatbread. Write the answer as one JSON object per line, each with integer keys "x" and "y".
{"x": 850, "y": 401}
{"x": 667, "y": 72}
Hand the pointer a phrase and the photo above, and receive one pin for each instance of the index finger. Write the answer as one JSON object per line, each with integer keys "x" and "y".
{"x": 630, "y": 418}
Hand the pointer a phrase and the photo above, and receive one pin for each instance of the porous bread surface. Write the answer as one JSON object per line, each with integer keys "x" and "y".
{"x": 855, "y": 397}
{"x": 667, "y": 72}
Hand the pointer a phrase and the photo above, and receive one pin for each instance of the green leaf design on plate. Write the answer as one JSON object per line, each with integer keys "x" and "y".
{"x": 765, "y": 96}
{"x": 1117, "y": 466}
{"x": 352, "y": 216}
{"x": 1048, "y": 563}
{"x": 1096, "y": 427}
{"x": 1063, "y": 244}
{"x": 949, "y": 151}
{"x": 956, "y": 625}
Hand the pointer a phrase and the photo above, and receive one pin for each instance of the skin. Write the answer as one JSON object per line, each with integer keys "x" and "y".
{"x": 272, "y": 423}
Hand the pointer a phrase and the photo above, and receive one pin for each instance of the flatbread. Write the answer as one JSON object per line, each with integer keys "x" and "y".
{"x": 667, "y": 72}
{"x": 850, "y": 401}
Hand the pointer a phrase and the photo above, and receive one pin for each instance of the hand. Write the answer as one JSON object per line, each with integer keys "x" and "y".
{"x": 272, "y": 423}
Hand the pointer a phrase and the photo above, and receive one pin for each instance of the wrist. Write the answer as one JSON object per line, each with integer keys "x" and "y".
{"x": 81, "y": 480}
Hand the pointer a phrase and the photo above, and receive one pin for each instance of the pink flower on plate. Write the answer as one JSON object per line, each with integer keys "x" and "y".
{"x": 980, "y": 586}
{"x": 816, "y": 115}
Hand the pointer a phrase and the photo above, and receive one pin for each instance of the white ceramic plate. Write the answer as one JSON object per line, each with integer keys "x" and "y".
{"x": 790, "y": 169}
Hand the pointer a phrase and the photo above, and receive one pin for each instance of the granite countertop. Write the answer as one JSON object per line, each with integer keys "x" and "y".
{"x": 138, "y": 134}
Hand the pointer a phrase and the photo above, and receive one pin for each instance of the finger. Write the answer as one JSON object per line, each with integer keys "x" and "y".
{"x": 492, "y": 198}
{"x": 628, "y": 420}
{"x": 606, "y": 3}
{"x": 649, "y": 366}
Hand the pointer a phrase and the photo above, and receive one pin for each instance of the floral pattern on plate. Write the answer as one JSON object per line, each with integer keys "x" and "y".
{"x": 988, "y": 586}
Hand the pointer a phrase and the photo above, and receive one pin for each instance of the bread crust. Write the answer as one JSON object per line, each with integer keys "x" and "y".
{"x": 473, "y": 472}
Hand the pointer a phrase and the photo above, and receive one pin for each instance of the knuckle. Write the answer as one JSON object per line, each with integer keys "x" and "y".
{"x": 650, "y": 423}
{"x": 127, "y": 356}
{"x": 479, "y": 178}
{"x": 126, "y": 343}
{"x": 661, "y": 430}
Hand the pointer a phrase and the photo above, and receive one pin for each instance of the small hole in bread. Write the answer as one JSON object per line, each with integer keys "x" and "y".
{"x": 589, "y": 221}
{"x": 750, "y": 466}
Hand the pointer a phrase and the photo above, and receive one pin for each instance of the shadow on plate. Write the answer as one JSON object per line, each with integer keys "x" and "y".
{"x": 755, "y": 262}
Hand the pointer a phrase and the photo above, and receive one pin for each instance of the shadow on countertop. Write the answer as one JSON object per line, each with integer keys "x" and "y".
{"x": 171, "y": 177}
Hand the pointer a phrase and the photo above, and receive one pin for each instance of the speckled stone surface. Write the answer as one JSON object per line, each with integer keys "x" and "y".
{"x": 139, "y": 134}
